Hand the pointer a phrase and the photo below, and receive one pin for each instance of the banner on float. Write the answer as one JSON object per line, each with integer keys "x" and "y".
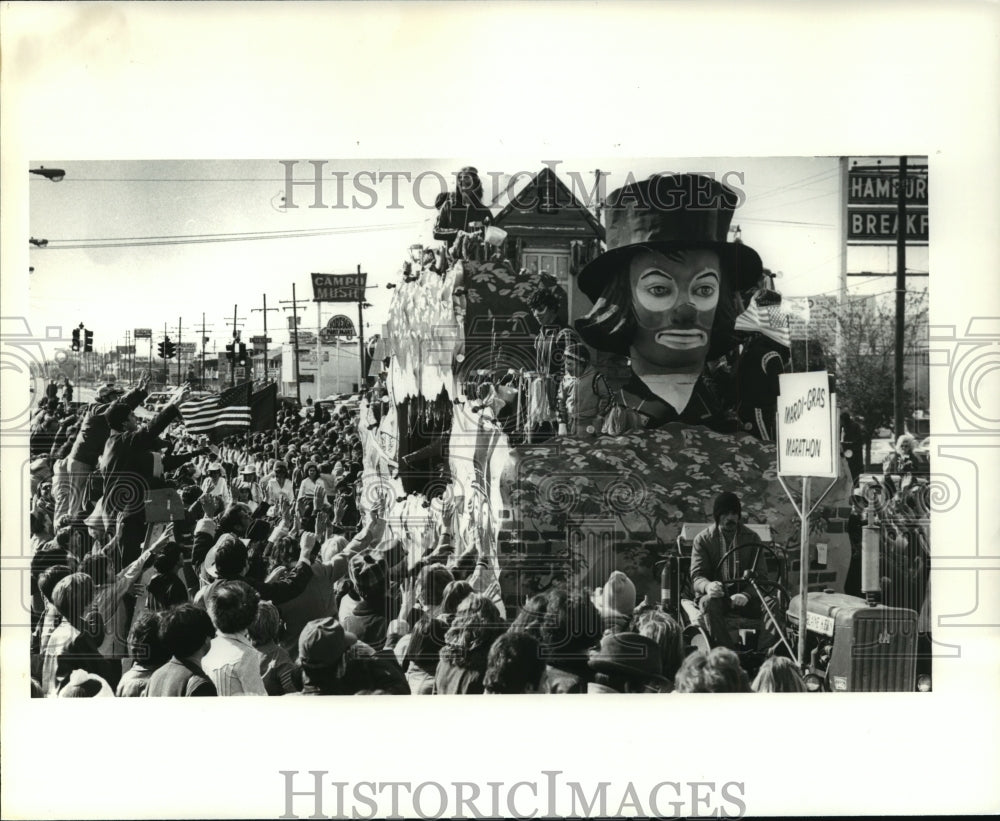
{"x": 807, "y": 426}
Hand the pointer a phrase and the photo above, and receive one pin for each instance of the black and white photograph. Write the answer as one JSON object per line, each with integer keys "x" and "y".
{"x": 514, "y": 411}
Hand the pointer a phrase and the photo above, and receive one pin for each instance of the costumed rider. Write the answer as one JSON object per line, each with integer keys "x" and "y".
{"x": 720, "y": 589}
{"x": 764, "y": 357}
{"x": 666, "y": 294}
{"x": 578, "y": 400}
{"x": 550, "y": 362}
{"x": 458, "y": 210}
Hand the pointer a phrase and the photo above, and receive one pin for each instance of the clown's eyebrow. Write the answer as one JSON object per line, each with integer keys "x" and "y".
{"x": 655, "y": 272}
{"x": 706, "y": 272}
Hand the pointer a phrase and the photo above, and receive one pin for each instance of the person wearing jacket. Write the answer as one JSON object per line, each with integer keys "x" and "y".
{"x": 91, "y": 439}
{"x": 709, "y": 578}
{"x": 133, "y": 465}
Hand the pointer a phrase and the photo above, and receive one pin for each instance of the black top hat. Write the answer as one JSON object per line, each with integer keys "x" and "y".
{"x": 683, "y": 211}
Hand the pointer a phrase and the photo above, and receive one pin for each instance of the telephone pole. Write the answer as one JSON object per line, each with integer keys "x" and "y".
{"x": 236, "y": 322}
{"x": 361, "y": 335}
{"x": 294, "y": 302}
{"x": 264, "y": 311}
{"x": 897, "y": 392}
{"x": 204, "y": 343}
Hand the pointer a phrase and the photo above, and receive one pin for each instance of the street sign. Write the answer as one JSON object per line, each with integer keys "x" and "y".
{"x": 188, "y": 347}
{"x": 807, "y": 425}
{"x": 260, "y": 340}
{"x": 143, "y": 333}
{"x": 339, "y": 287}
{"x": 241, "y": 374}
{"x": 125, "y": 349}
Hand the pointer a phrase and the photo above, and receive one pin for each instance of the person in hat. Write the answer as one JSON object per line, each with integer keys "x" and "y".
{"x": 666, "y": 295}
{"x": 90, "y": 441}
{"x": 615, "y": 602}
{"x": 216, "y": 484}
{"x": 627, "y": 663}
{"x": 333, "y": 662}
{"x": 719, "y": 586}
{"x": 247, "y": 488}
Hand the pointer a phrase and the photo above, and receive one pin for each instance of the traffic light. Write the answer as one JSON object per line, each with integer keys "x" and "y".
{"x": 76, "y": 340}
{"x": 242, "y": 361}
{"x": 230, "y": 351}
{"x": 159, "y": 350}
{"x": 169, "y": 349}
{"x": 88, "y": 341}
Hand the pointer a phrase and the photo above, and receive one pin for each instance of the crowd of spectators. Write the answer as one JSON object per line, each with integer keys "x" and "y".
{"x": 272, "y": 583}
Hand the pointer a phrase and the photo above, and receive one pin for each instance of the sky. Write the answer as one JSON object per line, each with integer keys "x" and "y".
{"x": 137, "y": 244}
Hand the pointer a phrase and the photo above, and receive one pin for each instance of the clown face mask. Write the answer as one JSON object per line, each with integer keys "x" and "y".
{"x": 674, "y": 297}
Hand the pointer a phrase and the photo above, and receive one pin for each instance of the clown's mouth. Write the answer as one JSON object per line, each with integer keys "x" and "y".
{"x": 682, "y": 339}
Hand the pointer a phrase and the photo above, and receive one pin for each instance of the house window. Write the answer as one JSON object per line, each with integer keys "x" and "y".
{"x": 554, "y": 261}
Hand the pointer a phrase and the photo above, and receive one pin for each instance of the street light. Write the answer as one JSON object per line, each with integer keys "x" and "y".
{"x": 38, "y": 243}
{"x": 53, "y": 174}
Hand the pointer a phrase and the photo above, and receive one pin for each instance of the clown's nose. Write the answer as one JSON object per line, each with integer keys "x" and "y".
{"x": 685, "y": 314}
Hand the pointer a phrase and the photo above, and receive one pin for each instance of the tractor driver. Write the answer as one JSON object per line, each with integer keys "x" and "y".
{"x": 719, "y": 586}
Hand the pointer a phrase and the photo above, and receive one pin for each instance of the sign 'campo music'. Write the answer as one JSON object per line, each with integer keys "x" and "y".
{"x": 339, "y": 287}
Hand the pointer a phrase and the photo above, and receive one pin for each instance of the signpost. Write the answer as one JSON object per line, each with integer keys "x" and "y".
{"x": 807, "y": 448}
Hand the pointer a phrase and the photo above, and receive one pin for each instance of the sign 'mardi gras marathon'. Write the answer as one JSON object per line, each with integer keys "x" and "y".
{"x": 807, "y": 414}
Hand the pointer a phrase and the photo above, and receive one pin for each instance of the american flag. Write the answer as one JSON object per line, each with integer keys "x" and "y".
{"x": 219, "y": 415}
{"x": 766, "y": 316}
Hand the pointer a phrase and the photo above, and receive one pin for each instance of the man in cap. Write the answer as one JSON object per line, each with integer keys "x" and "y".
{"x": 79, "y": 465}
{"x": 720, "y": 555}
{"x": 334, "y": 662}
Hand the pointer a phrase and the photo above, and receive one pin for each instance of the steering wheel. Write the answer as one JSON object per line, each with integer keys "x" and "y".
{"x": 768, "y": 585}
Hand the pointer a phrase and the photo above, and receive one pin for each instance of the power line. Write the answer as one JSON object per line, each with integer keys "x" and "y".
{"x": 195, "y": 239}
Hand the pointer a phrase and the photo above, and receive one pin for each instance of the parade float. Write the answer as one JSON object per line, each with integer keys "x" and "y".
{"x": 457, "y": 450}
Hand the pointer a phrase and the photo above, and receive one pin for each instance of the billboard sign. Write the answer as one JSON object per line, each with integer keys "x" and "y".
{"x": 339, "y": 287}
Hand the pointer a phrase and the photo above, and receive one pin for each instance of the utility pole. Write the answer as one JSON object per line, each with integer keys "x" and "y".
{"x": 204, "y": 343}
{"x": 166, "y": 366}
{"x": 180, "y": 355}
{"x": 295, "y": 339}
{"x": 897, "y": 393}
{"x": 264, "y": 311}
{"x": 319, "y": 349}
{"x": 361, "y": 335}
{"x": 236, "y": 322}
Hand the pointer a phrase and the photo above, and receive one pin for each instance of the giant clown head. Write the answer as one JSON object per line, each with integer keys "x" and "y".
{"x": 666, "y": 292}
